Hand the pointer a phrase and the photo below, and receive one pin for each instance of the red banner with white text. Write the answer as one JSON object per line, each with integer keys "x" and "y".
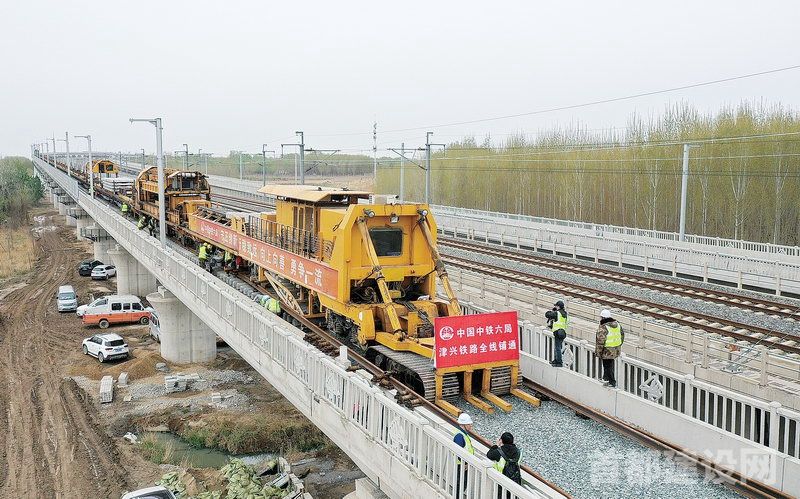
{"x": 476, "y": 339}
{"x": 311, "y": 273}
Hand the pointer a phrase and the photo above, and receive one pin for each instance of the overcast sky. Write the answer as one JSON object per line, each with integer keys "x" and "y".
{"x": 233, "y": 75}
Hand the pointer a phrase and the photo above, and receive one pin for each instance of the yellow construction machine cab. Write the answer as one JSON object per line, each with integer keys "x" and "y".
{"x": 105, "y": 166}
{"x": 184, "y": 192}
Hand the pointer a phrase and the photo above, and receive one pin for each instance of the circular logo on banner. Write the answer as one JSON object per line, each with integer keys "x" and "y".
{"x": 446, "y": 333}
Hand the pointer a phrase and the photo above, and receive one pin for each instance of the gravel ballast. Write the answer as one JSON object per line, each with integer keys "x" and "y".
{"x": 589, "y": 460}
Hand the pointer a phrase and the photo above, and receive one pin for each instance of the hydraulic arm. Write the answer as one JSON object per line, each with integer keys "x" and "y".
{"x": 394, "y": 320}
{"x": 453, "y": 308}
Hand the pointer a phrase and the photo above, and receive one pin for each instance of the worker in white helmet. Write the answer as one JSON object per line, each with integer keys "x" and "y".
{"x": 462, "y": 439}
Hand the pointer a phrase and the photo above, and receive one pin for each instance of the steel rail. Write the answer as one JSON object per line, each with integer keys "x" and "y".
{"x": 687, "y": 290}
{"x": 623, "y": 302}
{"x": 239, "y": 202}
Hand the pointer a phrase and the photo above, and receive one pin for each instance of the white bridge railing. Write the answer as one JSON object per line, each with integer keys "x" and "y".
{"x": 605, "y": 230}
{"x": 765, "y": 423}
{"x": 397, "y": 448}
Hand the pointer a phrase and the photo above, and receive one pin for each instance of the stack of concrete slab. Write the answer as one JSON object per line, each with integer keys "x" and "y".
{"x": 118, "y": 185}
{"x": 179, "y": 382}
{"x": 106, "y": 389}
{"x": 174, "y": 383}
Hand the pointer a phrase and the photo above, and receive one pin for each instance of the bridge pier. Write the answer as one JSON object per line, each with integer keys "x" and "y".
{"x": 133, "y": 278}
{"x": 82, "y": 220}
{"x": 184, "y": 337}
{"x": 54, "y": 194}
{"x": 61, "y": 203}
{"x": 366, "y": 489}
{"x": 102, "y": 241}
{"x": 66, "y": 204}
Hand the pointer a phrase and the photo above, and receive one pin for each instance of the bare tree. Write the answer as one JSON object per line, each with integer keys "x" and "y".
{"x": 780, "y": 182}
{"x": 703, "y": 178}
{"x": 576, "y": 195}
{"x": 739, "y": 182}
{"x": 653, "y": 180}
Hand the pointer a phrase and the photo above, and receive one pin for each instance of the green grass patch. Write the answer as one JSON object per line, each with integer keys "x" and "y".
{"x": 249, "y": 434}
{"x": 154, "y": 450}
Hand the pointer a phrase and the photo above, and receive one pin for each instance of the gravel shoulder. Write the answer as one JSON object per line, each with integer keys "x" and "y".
{"x": 590, "y": 460}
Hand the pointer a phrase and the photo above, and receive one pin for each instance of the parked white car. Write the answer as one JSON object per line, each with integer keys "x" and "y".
{"x": 103, "y": 272}
{"x": 106, "y": 347}
{"x": 157, "y": 492}
{"x": 66, "y": 299}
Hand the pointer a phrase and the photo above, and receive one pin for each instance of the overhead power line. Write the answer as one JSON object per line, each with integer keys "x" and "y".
{"x": 498, "y": 158}
{"x": 665, "y": 172}
{"x": 576, "y": 106}
{"x": 601, "y": 146}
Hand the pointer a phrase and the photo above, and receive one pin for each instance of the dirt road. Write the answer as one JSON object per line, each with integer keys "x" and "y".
{"x": 51, "y": 441}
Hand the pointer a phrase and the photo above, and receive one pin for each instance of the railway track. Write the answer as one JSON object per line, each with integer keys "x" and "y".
{"x": 759, "y": 305}
{"x": 736, "y": 481}
{"x": 723, "y": 327}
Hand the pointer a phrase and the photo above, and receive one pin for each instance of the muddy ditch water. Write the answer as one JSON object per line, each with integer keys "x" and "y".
{"x": 183, "y": 453}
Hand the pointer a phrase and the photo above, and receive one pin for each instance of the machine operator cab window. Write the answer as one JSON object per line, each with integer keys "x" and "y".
{"x": 388, "y": 241}
{"x": 303, "y": 218}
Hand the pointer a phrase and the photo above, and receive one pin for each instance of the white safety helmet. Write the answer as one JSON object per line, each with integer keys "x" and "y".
{"x": 605, "y": 313}
{"x": 464, "y": 419}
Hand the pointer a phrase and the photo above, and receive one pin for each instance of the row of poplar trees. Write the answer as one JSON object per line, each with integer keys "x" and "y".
{"x": 744, "y": 179}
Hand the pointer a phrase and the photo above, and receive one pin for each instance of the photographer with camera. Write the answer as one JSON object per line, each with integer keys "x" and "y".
{"x": 557, "y": 320}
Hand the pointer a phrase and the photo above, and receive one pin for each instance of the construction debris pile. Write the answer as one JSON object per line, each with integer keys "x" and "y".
{"x": 243, "y": 481}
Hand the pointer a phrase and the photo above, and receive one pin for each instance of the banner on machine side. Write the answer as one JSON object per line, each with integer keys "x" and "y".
{"x": 476, "y": 339}
{"x": 310, "y": 273}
